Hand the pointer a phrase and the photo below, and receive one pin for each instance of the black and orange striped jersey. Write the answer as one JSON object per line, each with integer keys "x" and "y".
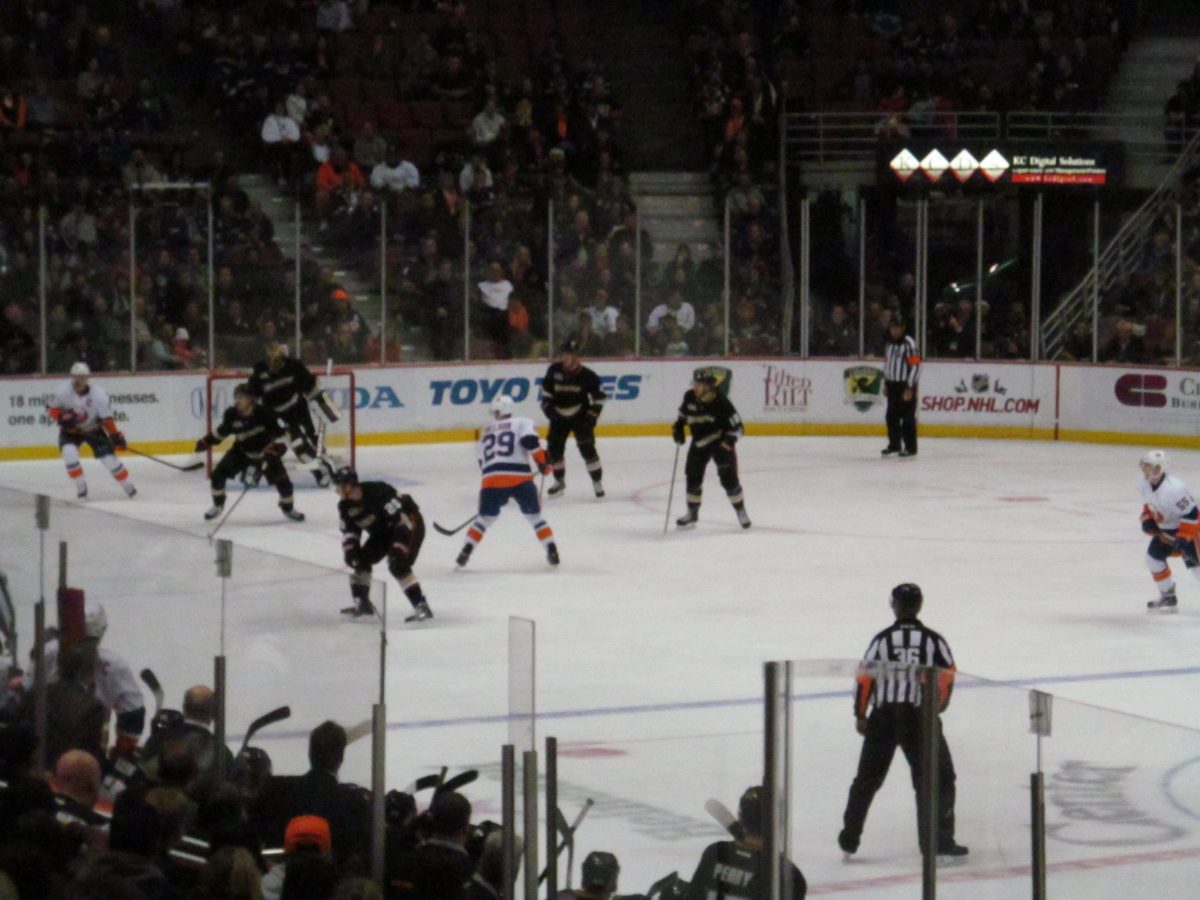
{"x": 889, "y": 672}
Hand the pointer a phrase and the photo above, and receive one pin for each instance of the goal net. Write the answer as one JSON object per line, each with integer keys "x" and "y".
{"x": 336, "y": 438}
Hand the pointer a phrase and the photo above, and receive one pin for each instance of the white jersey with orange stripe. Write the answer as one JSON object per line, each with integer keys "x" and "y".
{"x": 1171, "y": 504}
{"x": 91, "y": 408}
{"x": 509, "y": 452}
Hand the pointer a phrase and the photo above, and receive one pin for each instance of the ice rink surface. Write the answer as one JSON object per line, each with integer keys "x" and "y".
{"x": 649, "y": 648}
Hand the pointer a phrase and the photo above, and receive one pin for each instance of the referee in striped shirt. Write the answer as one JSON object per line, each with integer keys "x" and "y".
{"x": 901, "y": 367}
{"x": 893, "y": 695}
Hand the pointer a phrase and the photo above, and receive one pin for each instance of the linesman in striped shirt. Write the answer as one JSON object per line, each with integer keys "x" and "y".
{"x": 901, "y": 369}
{"x": 892, "y": 694}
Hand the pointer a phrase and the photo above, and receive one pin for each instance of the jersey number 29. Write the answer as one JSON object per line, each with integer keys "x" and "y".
{"x": 495, "y": 445}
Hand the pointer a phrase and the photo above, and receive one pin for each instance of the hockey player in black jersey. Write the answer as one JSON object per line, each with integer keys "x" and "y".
{"x": 285, "y": 386}
{"x": 572, "y": 400}
{"x": 255, "y": 452}
{"x": 395, "y": 529}
{"x": 716, "y": 426}
{"x": 731, "y": 869}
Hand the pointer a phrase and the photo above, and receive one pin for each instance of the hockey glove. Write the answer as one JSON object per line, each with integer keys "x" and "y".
{"x": 351, "y": 556}
{"x": 1149, "y": 526}
{"x": 118, "y": 440}
{"x": 204, "y": 443}
{"x": 677, "y": 432}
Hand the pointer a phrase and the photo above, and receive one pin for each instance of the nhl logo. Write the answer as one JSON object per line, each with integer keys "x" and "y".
{"x": 864, "y": 386}
{"x": 980, "y": 383}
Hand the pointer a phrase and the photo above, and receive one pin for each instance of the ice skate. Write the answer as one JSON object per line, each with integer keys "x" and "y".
{"x": 743, "y": 516}
{"x": 81, "y": 489}
{"x": 321, "y": 477}
{"x": 213, "y": 512}
{"x": 292, "y": 513}
{"x": 848, "y": 847}
{"x": 1167, "y": 603}
{"x": 420, "y": 613}
{"x": 688, "y": 519}
{"x": 889, "y": 451}
{"x": 907, "y": 454}
{"x": 363, "y": 607}
{"x": 552, "y": 554}
{"x": 556, "y": 489}
{"x": 950, "y": 850}
{"x": 464, "y": 555}
{"x": 598, "y": 488}
{"x": 130, "y": 490}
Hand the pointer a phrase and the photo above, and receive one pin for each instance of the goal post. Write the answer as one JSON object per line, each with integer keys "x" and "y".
{"x": 338, "y": 387}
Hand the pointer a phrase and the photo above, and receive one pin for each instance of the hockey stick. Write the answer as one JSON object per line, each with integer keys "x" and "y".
{"x": 728, "y": 820}
{"x": 245, "y": 490}
{"x": 568, "y": 839}
{"x": 189, "y": 467}
{"x": 671, "y": 492}
{"x": 275, "y": 715}
{"x": 152, "y": 682}
{"x": 8, "y": 619}
{"x": 435, "y": 781}
{"x": 358, "y": 732}
{"x": 441, "y": 529}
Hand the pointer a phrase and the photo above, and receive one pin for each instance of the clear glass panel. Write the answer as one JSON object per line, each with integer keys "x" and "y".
{"x": 1067, "y": 226}
{"x": 650, "y": 771}
{"x": 20, "y": 566}
{"x": 756, "y": 284}
{"x": 1122, "y": 804}
{"x": 1005, "y": 281}
{"x": 951, "y": 276}
{"x": 890, "y": 266}
{"x": 834, "y": 276}
{"x": 1120, "y": 800}
{"x": 171, "y": 259}
{"x": 341, "y": 272}
{"x": 281, "y": 650}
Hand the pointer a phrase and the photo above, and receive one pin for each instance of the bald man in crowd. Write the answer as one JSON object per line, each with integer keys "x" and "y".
{"x": 77, "y": 783}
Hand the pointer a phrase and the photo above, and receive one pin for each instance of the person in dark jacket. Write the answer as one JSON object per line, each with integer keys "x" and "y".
{"x": 439, "y": 867}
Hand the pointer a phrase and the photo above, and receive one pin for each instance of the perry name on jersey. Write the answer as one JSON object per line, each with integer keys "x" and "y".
{"x": 504, "y": 451}
{"x": 88, "y": 409}
{"x": 1170, "y": 503}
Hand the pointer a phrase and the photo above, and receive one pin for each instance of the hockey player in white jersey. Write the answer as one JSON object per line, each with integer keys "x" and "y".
{"x": 509, "y": 453}
{"x": 83, "y": 415}
{"x": 1170, "y": 516}
{"x": 116, "y": 688}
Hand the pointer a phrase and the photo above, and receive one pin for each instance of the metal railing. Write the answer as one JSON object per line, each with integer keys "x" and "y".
{"x": 855, "y": 137}
{"x": 1118, "y": 259}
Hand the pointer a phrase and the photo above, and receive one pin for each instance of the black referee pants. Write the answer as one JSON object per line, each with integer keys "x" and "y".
{"x": 901, "y": 417}
{"x": 888, "y": 726}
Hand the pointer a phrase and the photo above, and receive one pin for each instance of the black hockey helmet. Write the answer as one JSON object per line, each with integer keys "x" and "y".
{"x": 705, "y": 376}
{"x": 907, "y": 599}
{"x": 345, "y": 475}
{"x": 399, "y": 808}
{"x": 165, "y": 721}
{"x": 571, "y": 346}
{"x": 599, "y": 872}
{"x": 672, "y": 888}
{"x": 750, "y": 810}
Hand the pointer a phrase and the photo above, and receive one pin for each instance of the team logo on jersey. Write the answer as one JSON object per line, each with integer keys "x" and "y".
{"x": 864, "y": 386}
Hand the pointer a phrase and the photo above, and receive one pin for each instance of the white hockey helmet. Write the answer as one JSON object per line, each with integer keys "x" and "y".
{"x": 502, "y": 407}
{"x": 80, "y": 370}
{"x": 1157, "y": 460}
{"x": 95, "y": 621}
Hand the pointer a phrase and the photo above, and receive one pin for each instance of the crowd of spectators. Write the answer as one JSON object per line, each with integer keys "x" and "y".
{"x": 428, "y": 121}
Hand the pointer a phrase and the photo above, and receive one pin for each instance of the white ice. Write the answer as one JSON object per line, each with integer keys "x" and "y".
{"x": 650, "y": 646}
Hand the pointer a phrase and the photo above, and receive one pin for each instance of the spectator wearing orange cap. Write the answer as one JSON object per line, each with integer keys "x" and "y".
{"x": 307, "y": 845}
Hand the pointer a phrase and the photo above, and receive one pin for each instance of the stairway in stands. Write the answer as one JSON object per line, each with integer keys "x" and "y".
{"x": 677, "y": 208}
